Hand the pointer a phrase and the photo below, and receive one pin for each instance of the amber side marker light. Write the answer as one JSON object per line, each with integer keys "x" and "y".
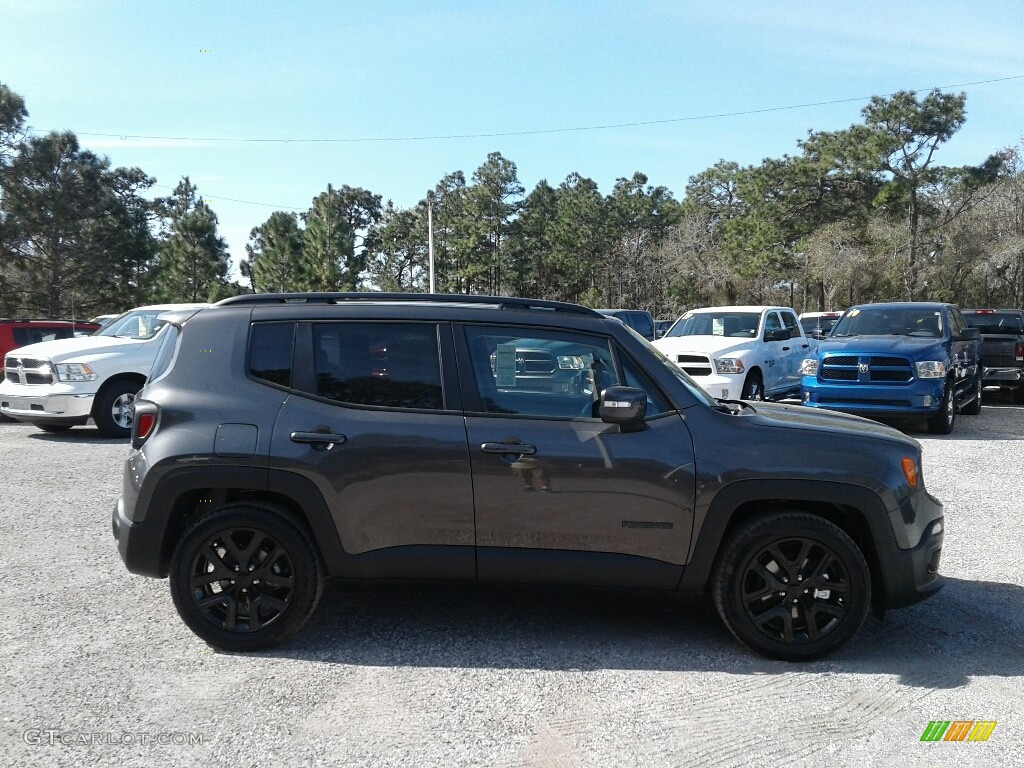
{"x": 909, "y": 470}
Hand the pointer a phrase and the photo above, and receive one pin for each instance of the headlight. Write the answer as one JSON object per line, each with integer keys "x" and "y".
{"x": 931, "y": 369}
{"x": 571, "y": 363}
{"x": 809, "y": 367}
{"x": 729, "y": 365}
{"x": 74, "y": 372}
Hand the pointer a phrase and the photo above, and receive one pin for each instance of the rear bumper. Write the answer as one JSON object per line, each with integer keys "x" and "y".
{"x": 1002, "y": 375}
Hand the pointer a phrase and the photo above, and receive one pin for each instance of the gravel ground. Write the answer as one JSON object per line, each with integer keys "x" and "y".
{"x": 98, "y": 670}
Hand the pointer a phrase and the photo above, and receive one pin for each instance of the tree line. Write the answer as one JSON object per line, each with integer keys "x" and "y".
{"x": 861, "y": 214}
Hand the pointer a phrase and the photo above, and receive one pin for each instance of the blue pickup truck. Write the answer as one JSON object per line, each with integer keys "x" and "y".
{"x": 909, "y": 359}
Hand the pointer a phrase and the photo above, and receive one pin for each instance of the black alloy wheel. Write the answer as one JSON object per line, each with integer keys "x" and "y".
{"x": 245, "y": 578}
{"x": 792, "y": 586}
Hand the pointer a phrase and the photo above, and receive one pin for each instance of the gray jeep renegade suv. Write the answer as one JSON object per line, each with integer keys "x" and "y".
{"x": 285, "y": 439}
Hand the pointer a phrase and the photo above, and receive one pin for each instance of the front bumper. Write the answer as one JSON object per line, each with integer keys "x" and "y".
{"x": 922, "y": 397}
{"x": 724, "y": 385}
{"x": 45, "y": 404}
{"x": 911, "y": 574}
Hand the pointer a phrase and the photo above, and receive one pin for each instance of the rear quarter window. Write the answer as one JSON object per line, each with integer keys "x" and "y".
{"x": 270, "y": 352}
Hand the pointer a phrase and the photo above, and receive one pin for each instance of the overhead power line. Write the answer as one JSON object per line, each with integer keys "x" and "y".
{"x": 534, "y": 132}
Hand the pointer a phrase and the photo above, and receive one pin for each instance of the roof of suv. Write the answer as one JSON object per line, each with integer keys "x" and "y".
{"x": 428, "y": 299}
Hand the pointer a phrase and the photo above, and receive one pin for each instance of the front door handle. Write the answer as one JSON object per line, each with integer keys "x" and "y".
{"x": 332, "y": 438}
{"x": 516, "y": 449}
{"x": 785, "y": 349}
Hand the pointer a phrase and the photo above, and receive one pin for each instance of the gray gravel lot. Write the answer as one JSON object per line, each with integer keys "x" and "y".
{"x": 98, "y": 670}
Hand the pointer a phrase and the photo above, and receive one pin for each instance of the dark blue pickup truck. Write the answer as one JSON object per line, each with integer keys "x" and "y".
{"x": 898, "y": 360}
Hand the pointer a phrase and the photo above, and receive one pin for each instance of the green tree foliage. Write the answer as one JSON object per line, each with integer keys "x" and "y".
{"x": 193, "y": 259}
{"x": 399, "y": 260}
{"x": 275, "y": 261}
{"x": 491, "y": 203}
{"x": 70, "y": 228}
{"x": 335, "y": 245}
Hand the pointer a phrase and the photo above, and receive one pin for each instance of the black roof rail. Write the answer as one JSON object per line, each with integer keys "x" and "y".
{"x": 501, "y": 302}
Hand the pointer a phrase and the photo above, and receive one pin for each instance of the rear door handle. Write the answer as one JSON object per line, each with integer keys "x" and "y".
{"x": 785, "y": 349}
{"x": 517, "y": 449}
{"x": 317, "y": 437}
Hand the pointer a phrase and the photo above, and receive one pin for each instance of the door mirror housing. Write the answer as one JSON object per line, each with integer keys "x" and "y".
{"x": 970, "y": 334}
{"x": 626, "y": 406}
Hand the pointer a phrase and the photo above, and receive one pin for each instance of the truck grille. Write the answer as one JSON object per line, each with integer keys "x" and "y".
{"x": 27, "y": 370}
{"x": 695, "y": 365}
{"x": 868, "y": 369}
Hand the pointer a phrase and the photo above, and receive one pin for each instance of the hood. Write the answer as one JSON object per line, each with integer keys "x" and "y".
{"x": 820, "y": 420}
{"x": 706, "y": 345}
{"x": 79, "y": 346}
{"x": 912, "y": 346}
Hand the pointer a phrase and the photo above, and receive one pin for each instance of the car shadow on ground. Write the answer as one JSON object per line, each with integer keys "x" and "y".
{"x": 76, "y": 436}
{"x": 969, "y": 628}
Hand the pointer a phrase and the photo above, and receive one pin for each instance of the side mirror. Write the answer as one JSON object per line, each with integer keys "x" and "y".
{"x": 782, "y": 334}
{"x": 626, "y": 406}
{"x": 970, "y": 334}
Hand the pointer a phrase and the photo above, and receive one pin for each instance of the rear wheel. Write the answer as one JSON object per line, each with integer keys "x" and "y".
{"x": 245, "y": 577}
{"x": 942, "y": 422}
{"x": 1018, "y": 394}
{"x": 792, "y": 586}
{"x": 753, "y": 387}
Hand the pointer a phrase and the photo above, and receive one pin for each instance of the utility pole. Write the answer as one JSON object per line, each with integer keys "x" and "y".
{"x": 430, "y": 237}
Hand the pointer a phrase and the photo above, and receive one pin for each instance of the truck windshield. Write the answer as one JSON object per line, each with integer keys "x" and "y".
{"x": 138, "y": 324}
{"x": 741, "y": 325}
{"x": 889, "y": 321}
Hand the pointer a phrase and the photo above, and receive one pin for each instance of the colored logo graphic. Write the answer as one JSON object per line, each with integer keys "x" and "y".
{"x": 958, "y": 730}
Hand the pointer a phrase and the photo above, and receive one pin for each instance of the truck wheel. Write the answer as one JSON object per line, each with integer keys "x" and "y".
{"x": 942, "y": 422}
{"x": 113, "y": 411}
{"x": 973, "y": 408}
{"x": 245, "y": 577}
{"x": 792, "y": 586}
{"x": 1018, "y": 394}
{"x": 753, "y": 387}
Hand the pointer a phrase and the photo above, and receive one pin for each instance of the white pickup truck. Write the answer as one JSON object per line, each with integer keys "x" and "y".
{"x": 747, "y": 353}
{"x": 56, "y": 385}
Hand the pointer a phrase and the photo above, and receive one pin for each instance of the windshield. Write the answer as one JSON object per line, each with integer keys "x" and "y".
{"x": 683, "y": 376}
{"x": 137, "y": 324}
{"x": 890, "y": 321}
{"x": 742, "y": 325}
{"x": 820, "y": 324}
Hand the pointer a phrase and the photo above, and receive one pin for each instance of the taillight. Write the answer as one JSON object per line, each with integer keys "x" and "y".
{"x": 144, "y": 423}
{"x": 1019, "y": 352}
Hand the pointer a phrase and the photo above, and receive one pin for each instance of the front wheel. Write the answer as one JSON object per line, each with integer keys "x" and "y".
{"x": 753, "y": 387}
{"x": 792, "y": 586}
{"x": 942, "y": 422}
{"x": 245, "y": 578}
{"x": 114, "y": 410}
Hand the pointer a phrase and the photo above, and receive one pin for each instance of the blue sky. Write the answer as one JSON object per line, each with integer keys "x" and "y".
{"x": 371, "y": 73}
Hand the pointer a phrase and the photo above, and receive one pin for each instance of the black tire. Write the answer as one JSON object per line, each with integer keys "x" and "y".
{"x": 973, "y": 408}
{"x": 1018, "y": 394}
{"x": 942, "y": 422}
{"x": 804, "y": 607}
{"x": 54, "y": 427}
{"x": 753, "y": 387}
{"x": 113, "y": 411}
{"x": 268, "y": 577}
